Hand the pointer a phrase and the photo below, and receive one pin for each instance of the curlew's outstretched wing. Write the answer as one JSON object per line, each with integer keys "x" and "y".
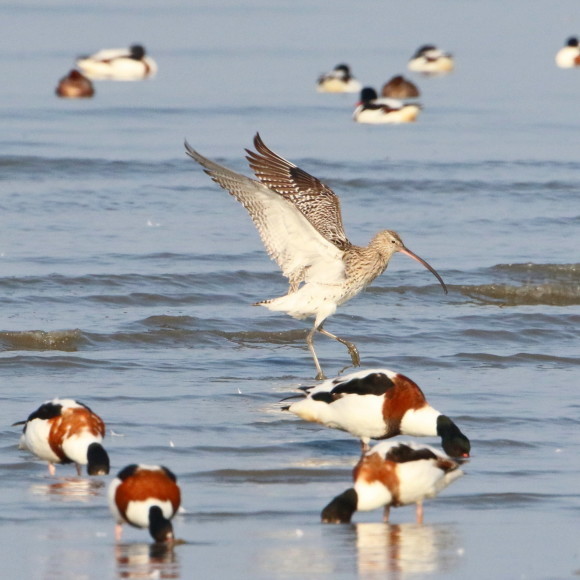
{"x": 302, "y": 253}
{"x": 316, "y": 201}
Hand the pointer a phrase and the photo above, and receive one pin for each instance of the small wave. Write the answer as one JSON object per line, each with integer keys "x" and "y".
{"x": 30, "y": 167}
{"x": 269, "y": 337}
{"x": 552, "y": 271}
{"x": 273, "y": 476}
{"x": 530, "y": 284}
{"x": 516, "y": 359}
{"x": 550, "y": 294}
{"x": 504, "y": 500}
{"x": 65, "y": 340}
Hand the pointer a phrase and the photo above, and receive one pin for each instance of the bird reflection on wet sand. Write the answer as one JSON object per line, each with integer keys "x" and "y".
{"x": 70, "y": 489}
{"x": 405, "y": 549}
{"x": 147, "y": 561}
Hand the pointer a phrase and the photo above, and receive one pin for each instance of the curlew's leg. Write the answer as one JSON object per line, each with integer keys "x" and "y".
{"x": 352, "y": 349}
{"x": 79, "y": 469}
{"x": 51, "y": 469}
{"x": 419, "y": 512}
{"x": 310, "y": 341}
{"x": 386, "y": 513}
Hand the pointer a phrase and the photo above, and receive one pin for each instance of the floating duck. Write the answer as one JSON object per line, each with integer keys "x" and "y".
{"x": 373, "y": 110}
{"x": 145, "y": 496}
{"x": 121, "y": 64}
{"x": 569, "y": 55}
{"x": 378, "y": 404}
{"x": 66, "y": 431}
{"x": 429, "y": 60}
{"x": 339, "y": 80}
{"x": 393, "y": 474}
{"x": 75, "y": 86}
{"x": 400, "y": 88}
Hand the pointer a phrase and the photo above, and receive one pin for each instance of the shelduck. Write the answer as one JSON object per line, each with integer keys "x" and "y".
{"x": 373, "y": 110}
{"x": 66, "y": 431}
{"x": 339, "y": 80}
{"x": 122, "y": 64}
{"x": 393, "y": 474}
{"x": 569, "y": 55}
{"x": 75, "y": 86}
{"x": 145, "y": 496}
{"x": 399, "y": 87}
{"x": 378, "y": 404}
{"x": 430, "y": 60}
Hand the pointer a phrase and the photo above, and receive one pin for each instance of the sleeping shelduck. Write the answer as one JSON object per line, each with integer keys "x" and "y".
{"x": 429, "y": 60}
{"x": 145, "y": 496}
{"x": 121, "y": 64}
{"x": 339, "y": 80}
{"x": 378, "y": 404}
{"x": 393, "y": 474}
{"x": 373, "y": 110}
{"x": 66, "y": 431}
{"x": 569, "y": 55}
{"x": 75, "y": 86}
{"x": 400, "y": 88}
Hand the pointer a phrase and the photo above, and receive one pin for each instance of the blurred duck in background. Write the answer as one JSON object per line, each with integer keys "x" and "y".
{"x": 569, "y": 55}
{"x": 430, "y": 60}
{"x": 119, "y": 64}
{"x": 338, "y": 80}
{"x": 75, "y": 86}
{"x": 400, "y": 88}
{"x": 373, "y": 110}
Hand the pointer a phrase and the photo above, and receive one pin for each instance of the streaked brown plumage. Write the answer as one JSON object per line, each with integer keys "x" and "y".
{"x": 299, "y": 220}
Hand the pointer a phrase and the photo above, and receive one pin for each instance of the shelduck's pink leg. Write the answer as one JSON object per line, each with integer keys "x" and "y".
{"x": 419, "y": 512}
{"x": 386, "y": 514}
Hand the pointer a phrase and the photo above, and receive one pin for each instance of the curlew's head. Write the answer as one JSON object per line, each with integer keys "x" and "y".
{"x": 388, "y": 242}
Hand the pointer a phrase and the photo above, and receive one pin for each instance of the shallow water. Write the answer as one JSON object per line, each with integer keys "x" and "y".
{"x": 128, "y": 280}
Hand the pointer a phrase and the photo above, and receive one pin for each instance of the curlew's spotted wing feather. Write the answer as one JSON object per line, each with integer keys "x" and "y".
{"x": 316, "y": 201}
{"x": 300, "y": 251}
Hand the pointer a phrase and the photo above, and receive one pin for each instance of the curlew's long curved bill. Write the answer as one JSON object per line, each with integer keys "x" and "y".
{"x": 408, "y": 252}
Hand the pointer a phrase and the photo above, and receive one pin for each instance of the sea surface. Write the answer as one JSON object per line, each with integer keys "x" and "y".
{"x": 127, "y": 279}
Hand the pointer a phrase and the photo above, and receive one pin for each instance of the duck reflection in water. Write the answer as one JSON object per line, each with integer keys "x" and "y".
{"x": 404, "y": 549}
{"x": 147, "y": 561}
{"x": 74, "y": 489}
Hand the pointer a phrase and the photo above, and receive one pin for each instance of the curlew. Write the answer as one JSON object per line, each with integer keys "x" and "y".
{"x": 300, "y": 223}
